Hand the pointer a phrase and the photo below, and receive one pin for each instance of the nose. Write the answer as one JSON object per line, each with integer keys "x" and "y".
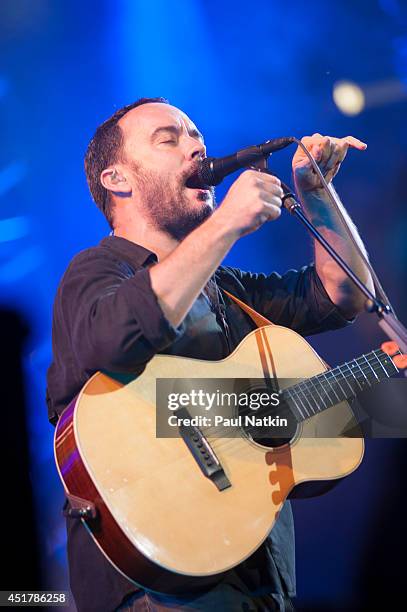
{"x": 196, "y": 150}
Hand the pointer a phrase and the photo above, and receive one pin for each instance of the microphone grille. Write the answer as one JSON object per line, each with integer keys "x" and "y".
{"x": 206, "y": 173}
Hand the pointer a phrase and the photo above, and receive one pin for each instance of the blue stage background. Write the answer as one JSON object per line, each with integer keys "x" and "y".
{"x": 244, "y": 72}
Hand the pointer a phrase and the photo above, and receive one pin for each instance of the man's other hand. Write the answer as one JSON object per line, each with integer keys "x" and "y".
{"x": 253, "y": 199}
{"x": 328, "y": 152}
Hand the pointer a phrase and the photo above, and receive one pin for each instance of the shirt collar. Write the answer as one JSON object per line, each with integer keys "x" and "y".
{"x": 138, "y": 254}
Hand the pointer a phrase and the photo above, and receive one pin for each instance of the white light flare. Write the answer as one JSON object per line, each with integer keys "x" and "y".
{"x": 349, "y": 98}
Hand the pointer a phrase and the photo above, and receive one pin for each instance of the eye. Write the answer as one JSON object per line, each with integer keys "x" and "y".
{"x": 169, "y": 141}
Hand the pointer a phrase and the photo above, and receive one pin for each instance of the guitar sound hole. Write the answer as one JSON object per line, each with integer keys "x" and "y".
{"x": 271, "y": 442}
{"x": 270, "y": 426}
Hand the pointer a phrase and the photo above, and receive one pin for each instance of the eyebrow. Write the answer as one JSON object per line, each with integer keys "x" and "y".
{"x": 176, "y": 130}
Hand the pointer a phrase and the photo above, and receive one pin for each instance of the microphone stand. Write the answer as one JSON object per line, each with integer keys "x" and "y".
{"x": 388, "y": 322}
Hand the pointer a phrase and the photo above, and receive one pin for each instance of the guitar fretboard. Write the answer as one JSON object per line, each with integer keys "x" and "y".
{"x": 320, "y": 392}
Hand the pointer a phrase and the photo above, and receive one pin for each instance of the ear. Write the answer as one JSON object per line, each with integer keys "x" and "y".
{"x": 114, "y": 180}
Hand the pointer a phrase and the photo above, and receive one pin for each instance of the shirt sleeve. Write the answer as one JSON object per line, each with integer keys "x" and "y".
{"x": 113, "y": 317}
{"x": 296, "y": 299}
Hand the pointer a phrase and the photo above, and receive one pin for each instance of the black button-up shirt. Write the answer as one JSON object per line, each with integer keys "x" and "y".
{"x": 106, "y": 316}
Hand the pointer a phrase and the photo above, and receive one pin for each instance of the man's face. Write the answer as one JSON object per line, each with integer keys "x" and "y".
{"x": 162, "y": 149}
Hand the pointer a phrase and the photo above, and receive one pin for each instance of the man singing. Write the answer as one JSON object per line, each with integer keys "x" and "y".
{"x": 156, "y": 286}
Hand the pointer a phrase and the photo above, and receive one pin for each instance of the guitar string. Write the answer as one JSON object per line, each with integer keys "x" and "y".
{"x": 213, "y": 430}
{"x": 220, "y": 432}
{"x": 370, "y": 363}
{"x": 332, "y": 376}
{"x": 306, "y": 383}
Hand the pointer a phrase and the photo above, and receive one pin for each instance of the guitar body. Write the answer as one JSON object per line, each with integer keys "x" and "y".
{"x": 161, "y": 522}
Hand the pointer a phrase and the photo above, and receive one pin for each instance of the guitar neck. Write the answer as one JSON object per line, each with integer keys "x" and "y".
{"x": 320, "y": 392}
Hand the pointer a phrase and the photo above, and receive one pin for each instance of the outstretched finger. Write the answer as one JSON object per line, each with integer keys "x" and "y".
{"x": 355, "y": 143}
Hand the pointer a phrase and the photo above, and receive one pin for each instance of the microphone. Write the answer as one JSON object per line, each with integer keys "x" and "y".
{"x": 212, "y": 170}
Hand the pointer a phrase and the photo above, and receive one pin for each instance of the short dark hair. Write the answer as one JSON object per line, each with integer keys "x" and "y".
{"x": 105, "y": 149}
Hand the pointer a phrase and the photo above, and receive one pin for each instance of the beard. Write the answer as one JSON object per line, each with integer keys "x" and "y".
{"x": 168, "y": 206}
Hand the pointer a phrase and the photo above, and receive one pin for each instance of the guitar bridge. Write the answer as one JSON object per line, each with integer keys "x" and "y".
{"x": 202, "y": 451}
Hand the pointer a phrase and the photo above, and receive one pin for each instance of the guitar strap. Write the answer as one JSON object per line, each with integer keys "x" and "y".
{"x": 253, "y": 314}
{"x": 256, "y": 316}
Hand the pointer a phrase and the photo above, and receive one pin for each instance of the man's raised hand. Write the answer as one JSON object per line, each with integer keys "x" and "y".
{"x": 329, "y": 153}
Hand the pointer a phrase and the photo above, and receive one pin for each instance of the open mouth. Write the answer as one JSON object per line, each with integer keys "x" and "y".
{"x": 193, "y": 181}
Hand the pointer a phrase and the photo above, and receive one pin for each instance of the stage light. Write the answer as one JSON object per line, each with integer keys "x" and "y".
{"x": 349, "y": 97}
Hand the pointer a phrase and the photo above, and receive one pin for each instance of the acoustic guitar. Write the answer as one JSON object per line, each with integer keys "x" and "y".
{"x": 173, "y": 514}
